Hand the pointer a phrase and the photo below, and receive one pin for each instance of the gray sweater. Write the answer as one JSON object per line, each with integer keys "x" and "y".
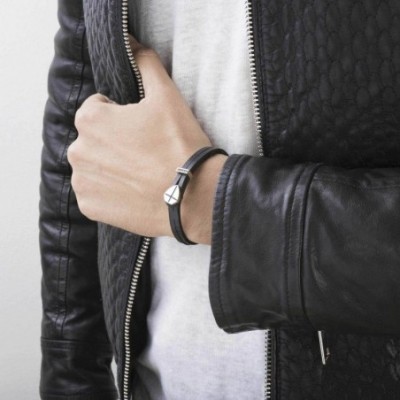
{"x": 203, "y": 45}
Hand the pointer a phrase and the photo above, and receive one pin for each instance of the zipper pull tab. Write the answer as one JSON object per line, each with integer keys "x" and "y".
{"x": 324, "y": 352}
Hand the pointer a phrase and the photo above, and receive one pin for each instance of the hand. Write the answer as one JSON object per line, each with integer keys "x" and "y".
{"x": 125, "y": 157}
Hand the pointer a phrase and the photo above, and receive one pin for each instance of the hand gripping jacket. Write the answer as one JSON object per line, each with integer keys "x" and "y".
{"x": 316, "y": 244}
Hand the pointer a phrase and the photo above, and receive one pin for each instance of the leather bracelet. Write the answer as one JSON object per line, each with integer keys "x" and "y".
{"x": 174, "y": 194}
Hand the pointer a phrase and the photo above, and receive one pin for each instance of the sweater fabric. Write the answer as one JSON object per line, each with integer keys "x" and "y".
{"x": 203, "y": 46}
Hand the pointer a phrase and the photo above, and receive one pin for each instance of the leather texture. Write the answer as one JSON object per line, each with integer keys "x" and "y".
{"x": 329, "y": 80}
{"x": 299, "y": 243}
{"x": 359, "y": 367}
{"x": 75, "y": 346}
{"x": 321, "y": 241}
{"x": 111, "y": 71}
{"x": 328, "y": 238}
{"x": 117, "y": 249}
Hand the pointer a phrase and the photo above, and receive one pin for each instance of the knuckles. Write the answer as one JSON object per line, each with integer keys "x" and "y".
{"x": 77, "y": 183}
{"x": 85, "y": 209}
{"x": 73, "y": 154}
{"x": 87, "y": 115}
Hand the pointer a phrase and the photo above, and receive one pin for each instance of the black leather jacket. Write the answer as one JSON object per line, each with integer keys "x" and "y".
{"x": 305, "y": 238}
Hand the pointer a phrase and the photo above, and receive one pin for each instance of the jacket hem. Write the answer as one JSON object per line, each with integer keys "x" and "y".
{"x": 113, "y": 395}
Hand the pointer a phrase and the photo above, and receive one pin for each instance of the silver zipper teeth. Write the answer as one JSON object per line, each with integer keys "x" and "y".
{"x": 132, "y": 61}
{"x": 268, "y": 365}
{"x": 128, "y": 346}
{"x": 257, "y": 117}
{"x": 253, "y": 75}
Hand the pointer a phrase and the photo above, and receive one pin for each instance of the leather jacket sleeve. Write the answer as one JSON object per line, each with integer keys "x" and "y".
{"x": 76, "y": 352}
{"x": 305, "y": 245}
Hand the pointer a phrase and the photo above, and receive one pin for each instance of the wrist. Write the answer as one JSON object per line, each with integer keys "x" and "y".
{"x": 198, "y": 200}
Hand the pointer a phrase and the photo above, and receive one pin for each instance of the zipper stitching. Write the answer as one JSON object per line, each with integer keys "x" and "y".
{"x": 257, "y": 117}
{"x": 144, "y": 246}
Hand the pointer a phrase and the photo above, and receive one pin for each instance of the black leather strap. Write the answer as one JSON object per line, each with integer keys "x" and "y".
{"x": 173, "y": 195}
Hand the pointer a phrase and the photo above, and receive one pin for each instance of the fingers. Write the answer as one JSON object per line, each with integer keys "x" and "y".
{"x": 154, "y": 75}
{"x": 92, "y": 111}
{"x": 150, "y": 66}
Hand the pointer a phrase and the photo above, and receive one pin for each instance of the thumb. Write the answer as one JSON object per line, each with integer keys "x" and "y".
{"x": 150, "y": 66}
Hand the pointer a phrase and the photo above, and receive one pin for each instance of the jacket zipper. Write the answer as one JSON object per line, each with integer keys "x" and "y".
{"x": 253, "y": 75}
{"x": 257, "y": 117}
{"x": 145, "y": 244}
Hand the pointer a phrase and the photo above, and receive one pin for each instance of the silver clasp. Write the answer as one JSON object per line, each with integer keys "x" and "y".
{"x": 184, "y": 171}
{"x": 324, "y": 351}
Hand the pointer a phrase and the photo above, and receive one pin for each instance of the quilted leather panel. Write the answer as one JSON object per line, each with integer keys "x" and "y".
{"x": 359, "y": 367}
{"x": 298, "y": 365}
{"x": 117, "y": 251}
{"x": 329, "y": 80}
{"x": 113, "y": 77}
{"x": 111, "y": 69}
